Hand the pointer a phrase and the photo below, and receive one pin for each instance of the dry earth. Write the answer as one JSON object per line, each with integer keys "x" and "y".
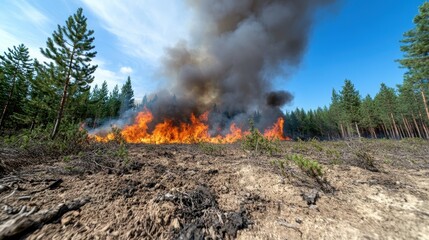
{"x": 190, "y": 192}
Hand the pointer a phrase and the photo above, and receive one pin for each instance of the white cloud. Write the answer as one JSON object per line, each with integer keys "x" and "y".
{"x": 30, "y": 14}
{"x": 126, "y": 70}
{"x": 144, "y": 28}
{"x": 8, "y": 40}
{"x": 22, "y": 23}
{"x": 103, "y": 74}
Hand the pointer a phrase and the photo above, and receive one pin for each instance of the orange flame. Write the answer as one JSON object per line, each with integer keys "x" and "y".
{"x": 195, "y": 131}
{"x": 276, "y": 131}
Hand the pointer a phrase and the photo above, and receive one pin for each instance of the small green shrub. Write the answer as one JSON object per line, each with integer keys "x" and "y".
{"x": 117, "y": 135}
{"x": 211, "y": 148}
{"x": 281, "y": 165}
{"x": 316, "y": 144}
{"x": 311, "y": 167}
{"x": 122, "y": 153}
{"x": 334, "y": 155}
{"x": 257, "y": 143}
{"x": 367, "y": 161}
{"x": 37, "y": 142}
{"x": 301, "y": 146}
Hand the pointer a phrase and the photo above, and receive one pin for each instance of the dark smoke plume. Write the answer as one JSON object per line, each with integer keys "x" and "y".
{"x": 237, "y": 46}
{"x": 279, "y": 98}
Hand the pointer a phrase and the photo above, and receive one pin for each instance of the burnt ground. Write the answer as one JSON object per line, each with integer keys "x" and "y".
{"x": 371, "y": 190}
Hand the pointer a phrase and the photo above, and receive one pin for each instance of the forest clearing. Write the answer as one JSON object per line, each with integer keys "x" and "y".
{"x": 203, "y": 119}
{"x": 374, "y": 189}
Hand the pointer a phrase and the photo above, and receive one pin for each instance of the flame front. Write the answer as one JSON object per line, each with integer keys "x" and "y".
{"x": 276, "y": 131}
{"x": 186, "y": 133}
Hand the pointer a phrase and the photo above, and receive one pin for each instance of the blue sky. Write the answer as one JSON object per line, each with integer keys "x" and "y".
{"x": 355, "y": 39}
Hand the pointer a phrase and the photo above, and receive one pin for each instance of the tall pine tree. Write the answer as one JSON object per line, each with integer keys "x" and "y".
{"x": 17, "y": 70}
{"x": 71, "y": 49}
{"x": 416, "y": 54}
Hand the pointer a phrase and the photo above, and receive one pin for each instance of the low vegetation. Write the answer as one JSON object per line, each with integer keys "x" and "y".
{"x": 256, "y": 143}
{"x": 310, "y": 167}
{"x": 211, "y": 149}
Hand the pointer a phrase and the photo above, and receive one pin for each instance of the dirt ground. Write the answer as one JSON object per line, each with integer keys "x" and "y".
{"x": 372, "y": 190}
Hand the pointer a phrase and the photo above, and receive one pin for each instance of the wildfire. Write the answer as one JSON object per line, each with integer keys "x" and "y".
{"x": 197, "y": 130}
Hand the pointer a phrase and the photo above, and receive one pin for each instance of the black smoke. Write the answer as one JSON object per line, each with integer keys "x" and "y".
{"x": 279, "y": 98}
{"x": 237, "y": 47}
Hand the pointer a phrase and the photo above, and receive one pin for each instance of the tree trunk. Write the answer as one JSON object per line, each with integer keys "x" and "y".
{"x": 63, "y": 98}
{"x": 60, "y": 111}
{"x": 357, "y": 129}
{"x": 394, "y": 126}
{"x": 402, "y": 131}
{"x": 410, "y": 127}
{"x": 373, "y": 133}
{"x": 3, "y": 115}
{"x": 383, "y": 126}
{"x": 417, "y": 127}
{"x": 407, "y": 127}
{"x": 426, "y": 130}
{"x": 425, "y": 103}
{"x": 342, "y": 131}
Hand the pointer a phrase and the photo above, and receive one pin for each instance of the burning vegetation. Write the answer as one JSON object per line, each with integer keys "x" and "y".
{"x": 194, "y": 131}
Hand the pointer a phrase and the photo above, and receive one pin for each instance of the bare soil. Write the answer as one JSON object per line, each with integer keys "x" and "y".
{"x": 371, "y": 190}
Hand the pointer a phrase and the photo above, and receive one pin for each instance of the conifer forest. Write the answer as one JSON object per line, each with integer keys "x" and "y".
{"x": 217, "y": 152}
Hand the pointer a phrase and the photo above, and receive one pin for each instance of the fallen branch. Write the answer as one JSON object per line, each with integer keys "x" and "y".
{"x": 51, "y": 186}
{"x": 285, "y": 224}
{"x": 26, "y": 222}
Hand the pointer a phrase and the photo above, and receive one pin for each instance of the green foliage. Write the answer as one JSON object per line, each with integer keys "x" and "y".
{"x": 281, "y": 164}
{"x": 416, "y": 55}
{"x": 416, "y": 50}
{"x": 316, "y": 144}
{"x": 302, "y": 146}
{"x": 71, "y": 50}
{"x": 366, "y": 159}
{"x": 71, "y": 140}
{"x": 334, "y": 155}
{"x": 122, "y": 153}
{"x": 310, "y": 167}
{"x": 16, "y": 72}
{"x": 127, "y": 96}
{"x": 257, "y": 143}
{"x": 211, "y": 148}
{"x": 350, "y": 102}
{"x": 117, "y": 136}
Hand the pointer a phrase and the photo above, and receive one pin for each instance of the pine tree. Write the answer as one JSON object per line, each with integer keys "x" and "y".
{"x": 368, "y": 115}
{"x": 3, "y": 87}
{"x": 71, "y": 50}
{"x": 335, "y": 112}
{"x": 17, "y": 70}
{"x": 44, "y": 92}
{"x": 416, "y": 54}
{"x": 350, "y": 104}
{"x": 386, "y": 107}
{"x": 100, "y": 102}
{"x": 114, "y": 103}
{"x": 127, "y": 96}
{"x": 410, "y": 106}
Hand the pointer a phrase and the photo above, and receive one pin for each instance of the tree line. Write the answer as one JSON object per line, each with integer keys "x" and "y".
{"x": 400, "y": 112}
{"x": 394, "y": 113}
{"x": 35, "y": 94}
{"x": 45, "y": 94}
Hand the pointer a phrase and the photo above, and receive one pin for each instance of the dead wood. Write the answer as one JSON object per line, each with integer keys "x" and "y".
{"x": 26, "y": 222}
{"x": 285, "y": 224}
{"x": 51, "y": 186}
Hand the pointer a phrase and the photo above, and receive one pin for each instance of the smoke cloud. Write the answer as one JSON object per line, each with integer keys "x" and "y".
{"x": 237, "y": 47}
{"x": 279, "y": 98}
